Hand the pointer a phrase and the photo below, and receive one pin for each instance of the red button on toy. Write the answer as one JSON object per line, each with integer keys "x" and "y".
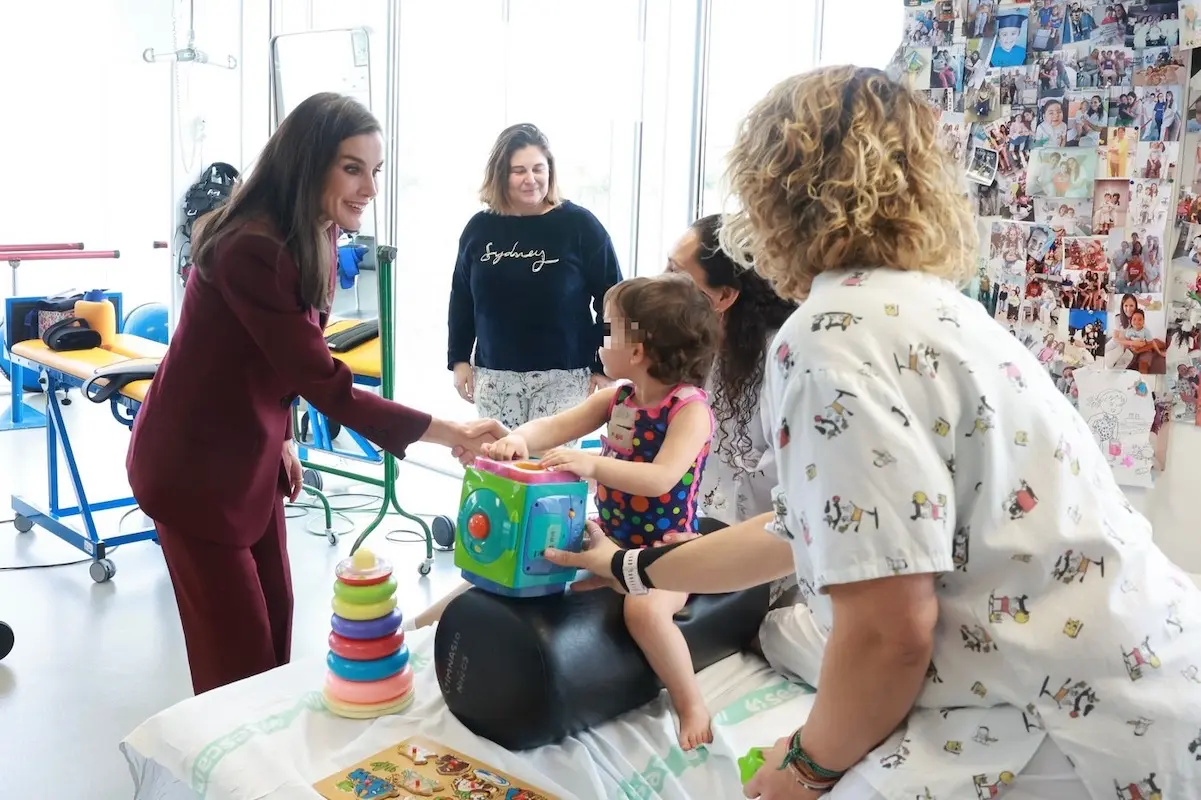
{"x": 478, "y": 525}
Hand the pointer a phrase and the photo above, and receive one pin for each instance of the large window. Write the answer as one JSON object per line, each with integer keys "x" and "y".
{"x": 847, "y": 37}
{"x": 752, "y": 45}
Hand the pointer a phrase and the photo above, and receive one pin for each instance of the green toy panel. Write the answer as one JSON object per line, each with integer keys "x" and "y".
{"x": 501, "y": 501}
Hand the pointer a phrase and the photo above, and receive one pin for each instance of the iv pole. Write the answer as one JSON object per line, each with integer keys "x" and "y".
{"x": 190, "y": 52}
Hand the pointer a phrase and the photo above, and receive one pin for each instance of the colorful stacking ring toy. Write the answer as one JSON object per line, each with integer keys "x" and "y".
{"x": 369, "y": 672}
{"x": 374, "y": 670}
{"x": 368, "y": 628}
{"x": 361, "y": 613}
{"x": 366, "y": 649}
{"x": 373, "y": 693}
{"x": 353, "y": 711}
{"x": 365, "y": 595}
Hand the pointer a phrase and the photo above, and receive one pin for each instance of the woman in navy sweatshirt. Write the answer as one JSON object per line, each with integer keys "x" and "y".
{"x": 528, "y": 290}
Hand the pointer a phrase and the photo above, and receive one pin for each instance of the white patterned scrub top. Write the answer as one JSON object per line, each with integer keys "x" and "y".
{"x": 914, "y": 434}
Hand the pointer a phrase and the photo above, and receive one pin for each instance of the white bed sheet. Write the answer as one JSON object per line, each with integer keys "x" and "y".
{"x": 269, "y": 737}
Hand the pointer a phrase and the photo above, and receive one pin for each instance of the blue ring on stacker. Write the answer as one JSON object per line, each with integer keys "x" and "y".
{"x": 363, "y": 671}
{"x": 367, "y": 628}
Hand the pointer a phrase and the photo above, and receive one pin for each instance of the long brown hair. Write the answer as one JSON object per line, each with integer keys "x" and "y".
{"x": 494, "y": 192}
{"x": 285, "y": 190}
{"x": 758, "y": 311}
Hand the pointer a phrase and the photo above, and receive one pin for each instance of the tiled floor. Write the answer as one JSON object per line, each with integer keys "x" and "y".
{"x": 92, "y": 661}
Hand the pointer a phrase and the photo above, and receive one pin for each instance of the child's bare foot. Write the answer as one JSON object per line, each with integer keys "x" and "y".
{"x": 695, "y": 726}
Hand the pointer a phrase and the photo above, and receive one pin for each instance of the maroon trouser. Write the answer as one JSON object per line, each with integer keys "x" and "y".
{"x": 235, "y": 603}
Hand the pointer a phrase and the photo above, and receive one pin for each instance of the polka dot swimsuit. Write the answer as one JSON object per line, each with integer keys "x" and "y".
{"x": 635, "y": 433}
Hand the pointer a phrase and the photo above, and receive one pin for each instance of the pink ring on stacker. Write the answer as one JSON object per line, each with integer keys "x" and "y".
{"x": 352, "y": 711}
{"x": 369, "y": 692}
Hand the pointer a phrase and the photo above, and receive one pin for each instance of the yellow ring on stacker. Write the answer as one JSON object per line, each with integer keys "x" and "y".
{"x": 356, "y": 711}
{"x": 363, "y": 612}
{"x": 362, "y": 595}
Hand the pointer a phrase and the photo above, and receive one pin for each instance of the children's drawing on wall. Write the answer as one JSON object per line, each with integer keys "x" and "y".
{"x": 1138, "y": 334}
{"x": 1120, "y": 411}
{"x": 1111, "y": 204}
{"x": 1138, "y": 260}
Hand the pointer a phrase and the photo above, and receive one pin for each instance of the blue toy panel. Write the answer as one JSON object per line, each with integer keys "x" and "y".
{"x": 553, "y": 515}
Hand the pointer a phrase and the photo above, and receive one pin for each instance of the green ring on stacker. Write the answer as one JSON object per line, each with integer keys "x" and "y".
{"x": 365, "y": 595}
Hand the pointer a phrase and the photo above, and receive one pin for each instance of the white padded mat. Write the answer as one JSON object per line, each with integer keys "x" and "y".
{"x": 270, "y": 737}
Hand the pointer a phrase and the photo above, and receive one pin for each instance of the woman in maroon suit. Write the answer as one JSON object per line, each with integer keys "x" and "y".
{"x": 211, "y": 457}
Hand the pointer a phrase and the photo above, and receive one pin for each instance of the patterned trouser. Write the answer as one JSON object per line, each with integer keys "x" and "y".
{"x": 515, "y": 398}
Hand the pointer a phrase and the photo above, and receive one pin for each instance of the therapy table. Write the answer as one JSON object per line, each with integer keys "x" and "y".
{"x": 270, "y": 737}
{"x": 71, "y": 370}
{"x": 61, "y": 371}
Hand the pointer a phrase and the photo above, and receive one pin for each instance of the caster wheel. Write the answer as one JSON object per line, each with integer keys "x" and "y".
{"x": 102, "y": 571}
{"x": 443, "y": 530}
{"x": 311, "y": 477}
{"x": 425, "y": 568}
{"x": 333, "y": 538}
{"x": 22, "y": 523}
{"x": 6, "y": 640}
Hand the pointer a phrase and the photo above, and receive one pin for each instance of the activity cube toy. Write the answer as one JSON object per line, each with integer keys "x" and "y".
{"x": 369, "y": 673}
{"x": 509, "y": 513}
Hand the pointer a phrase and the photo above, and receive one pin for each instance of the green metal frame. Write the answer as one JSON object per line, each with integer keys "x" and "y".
{"x": 385, "y": 256}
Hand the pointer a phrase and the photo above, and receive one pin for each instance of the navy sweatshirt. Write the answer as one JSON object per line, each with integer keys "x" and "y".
{"x": 528, "y": 292}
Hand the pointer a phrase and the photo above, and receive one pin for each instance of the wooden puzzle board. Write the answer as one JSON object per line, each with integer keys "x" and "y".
{"x": 419, "y": 768}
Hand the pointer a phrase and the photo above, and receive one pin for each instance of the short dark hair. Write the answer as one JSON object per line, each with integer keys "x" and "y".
{"x": 494, "y": 193}
{"x": 679, "y": 330}
{"x": 285, "y": 190}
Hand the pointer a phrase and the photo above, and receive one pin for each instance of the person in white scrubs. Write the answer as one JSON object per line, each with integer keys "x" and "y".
{"x": 990, "y": 616}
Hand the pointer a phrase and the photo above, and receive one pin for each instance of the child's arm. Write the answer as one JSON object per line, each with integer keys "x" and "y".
{"x": 543, "y": 434}
{"x": 690, "y": 429}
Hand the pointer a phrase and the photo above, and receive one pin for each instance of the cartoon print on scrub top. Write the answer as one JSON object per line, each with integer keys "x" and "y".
{"x": 833, "y": 419}
{"x": 965, "y": 418}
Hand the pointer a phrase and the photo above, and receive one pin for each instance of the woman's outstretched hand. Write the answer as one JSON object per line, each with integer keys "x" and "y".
{"x": 466, "y": 440}
{"x": 773, "y": 783}
{"x": 596, "y": 557}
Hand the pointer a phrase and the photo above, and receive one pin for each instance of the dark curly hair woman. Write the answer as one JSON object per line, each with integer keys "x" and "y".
{"x": 737, "y": 483}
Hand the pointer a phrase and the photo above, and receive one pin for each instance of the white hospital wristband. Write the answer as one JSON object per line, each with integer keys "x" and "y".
{"x": 629, "y": 572}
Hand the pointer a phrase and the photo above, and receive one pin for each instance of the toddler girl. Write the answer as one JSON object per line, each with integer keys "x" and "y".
{"x": 661, "y": 338}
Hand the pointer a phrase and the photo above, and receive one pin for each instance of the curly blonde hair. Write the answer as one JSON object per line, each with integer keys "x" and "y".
{"x": 840, "y": 168}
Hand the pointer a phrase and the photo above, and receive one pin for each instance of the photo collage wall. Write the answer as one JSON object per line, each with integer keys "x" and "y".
{"x": 1081, "y": 144}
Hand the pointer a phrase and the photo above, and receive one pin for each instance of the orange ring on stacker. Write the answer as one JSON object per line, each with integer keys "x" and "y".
{"x": 366, "y": 649}
{"x": 368, "y": 693}
{"x": 373, "y": 711}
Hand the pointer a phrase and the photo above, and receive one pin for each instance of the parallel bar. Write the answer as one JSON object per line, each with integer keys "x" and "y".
{"x": 64, "y": 255}
{"x": 36, "y": 248}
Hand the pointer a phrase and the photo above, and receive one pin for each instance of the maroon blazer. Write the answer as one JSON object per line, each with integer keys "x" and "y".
{"x": 205, "y": 453}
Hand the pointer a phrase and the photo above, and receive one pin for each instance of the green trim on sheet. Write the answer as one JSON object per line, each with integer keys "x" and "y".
{"x": 641, "y": 786}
